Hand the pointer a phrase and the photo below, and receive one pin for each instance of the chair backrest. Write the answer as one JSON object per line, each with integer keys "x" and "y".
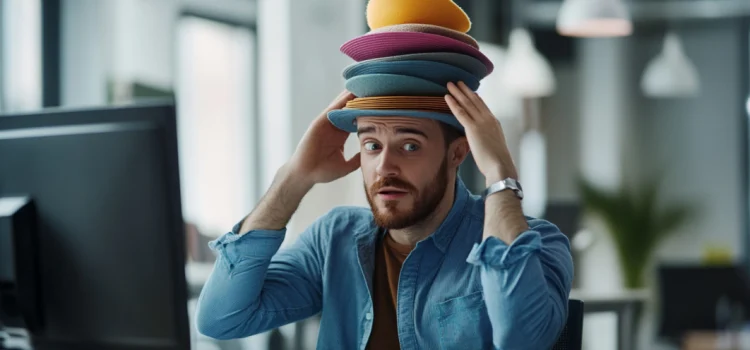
{"x": 570, "y": 337}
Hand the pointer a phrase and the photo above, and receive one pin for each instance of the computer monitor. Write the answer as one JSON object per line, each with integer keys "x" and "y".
{"x": 702, "y": 298}
{"x": 91, "y": 228}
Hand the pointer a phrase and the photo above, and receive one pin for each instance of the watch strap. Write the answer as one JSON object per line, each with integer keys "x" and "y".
{"x": 502, "y": 185}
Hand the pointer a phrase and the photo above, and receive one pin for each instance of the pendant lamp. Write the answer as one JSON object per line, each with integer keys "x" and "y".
{"x": 594, "y": 18}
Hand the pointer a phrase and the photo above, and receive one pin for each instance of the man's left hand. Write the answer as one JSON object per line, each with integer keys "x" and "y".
{"x": 483, "y": 132}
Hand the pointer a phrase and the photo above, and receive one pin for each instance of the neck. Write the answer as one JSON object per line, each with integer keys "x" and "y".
{"x": 413, "y": 234}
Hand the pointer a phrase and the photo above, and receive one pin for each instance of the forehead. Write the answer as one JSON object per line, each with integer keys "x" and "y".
{"x": 390, "y": 124}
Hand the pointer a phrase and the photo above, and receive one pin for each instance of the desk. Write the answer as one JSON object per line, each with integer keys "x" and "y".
{"x": 626, "y": 304}
{"x": 717, "y": 341}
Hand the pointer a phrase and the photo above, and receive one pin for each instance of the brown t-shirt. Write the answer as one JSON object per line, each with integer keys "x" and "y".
{"x": 389, "y": 256}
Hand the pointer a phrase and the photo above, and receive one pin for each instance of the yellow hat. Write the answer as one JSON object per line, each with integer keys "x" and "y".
{"x": 444, "y": 13}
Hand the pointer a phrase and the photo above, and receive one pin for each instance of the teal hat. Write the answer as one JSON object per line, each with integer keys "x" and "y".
{"x": 436, "y": 72}
{"x": 370, "y": 85}
{"x": 462, "y": 61}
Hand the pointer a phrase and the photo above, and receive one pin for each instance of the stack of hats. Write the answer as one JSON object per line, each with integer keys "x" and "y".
{"x": 403, "y": 65}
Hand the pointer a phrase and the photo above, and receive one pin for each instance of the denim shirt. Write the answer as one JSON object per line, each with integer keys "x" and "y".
{"x": 455, "y": 291}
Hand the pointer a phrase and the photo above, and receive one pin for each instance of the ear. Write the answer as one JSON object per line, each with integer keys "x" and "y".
{"x": 458, "y": 151}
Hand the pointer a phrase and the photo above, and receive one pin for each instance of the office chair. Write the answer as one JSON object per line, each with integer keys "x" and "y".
{"x": 570, "y": 337}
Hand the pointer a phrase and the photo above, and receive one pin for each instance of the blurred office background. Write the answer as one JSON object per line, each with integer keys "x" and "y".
{"x": 635, "y": 145}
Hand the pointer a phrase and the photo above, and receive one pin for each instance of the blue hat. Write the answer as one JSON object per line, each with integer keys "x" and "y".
{"x": 465, "y": 62}
{"x": 436, "y": 72}
{"x": 370, "y": 85}
{"x": 346, "y": 119}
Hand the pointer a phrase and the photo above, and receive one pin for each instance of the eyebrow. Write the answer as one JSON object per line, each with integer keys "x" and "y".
{"x": 401, "y": 130}
{"x": 411, "y": 131}
{"x": 365, "y": 130}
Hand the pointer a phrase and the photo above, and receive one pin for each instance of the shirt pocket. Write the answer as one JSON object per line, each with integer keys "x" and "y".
{"x": 464, "y": 323}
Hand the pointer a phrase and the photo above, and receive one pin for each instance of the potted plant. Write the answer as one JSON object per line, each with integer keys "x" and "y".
{"x": 635, "y": 223}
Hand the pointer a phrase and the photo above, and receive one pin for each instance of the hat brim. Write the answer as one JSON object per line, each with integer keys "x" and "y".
{"x": 384, "y": 44}
{"x": 436, "y": 72}
{"x": 346, "y": 119}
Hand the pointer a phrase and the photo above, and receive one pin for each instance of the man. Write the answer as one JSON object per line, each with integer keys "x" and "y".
{"x": 428, "y": 266}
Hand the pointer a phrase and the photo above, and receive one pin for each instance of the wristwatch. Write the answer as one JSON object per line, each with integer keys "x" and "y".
{"x": 507, "y": 184}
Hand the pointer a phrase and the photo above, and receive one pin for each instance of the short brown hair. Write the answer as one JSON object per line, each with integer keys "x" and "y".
{"x": 450, "y": 133}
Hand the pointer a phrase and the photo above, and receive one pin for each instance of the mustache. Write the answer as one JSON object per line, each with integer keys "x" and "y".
{"x": 391, "y": 182}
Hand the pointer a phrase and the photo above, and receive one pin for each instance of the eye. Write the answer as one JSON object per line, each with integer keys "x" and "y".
{"x": 410, "y": 147}
{"x": 371, "y": 146}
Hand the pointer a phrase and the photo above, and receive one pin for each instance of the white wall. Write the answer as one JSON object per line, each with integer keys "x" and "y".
{"x": 84, "y": 59}
{"x": 115, "y": 40}
{"x": 143, "y": 40}
{"x": 300, "y": 69}
{"x": 560, "y": 125}
{"x": 301, "y": 73}
{"x": 21, "y": 50}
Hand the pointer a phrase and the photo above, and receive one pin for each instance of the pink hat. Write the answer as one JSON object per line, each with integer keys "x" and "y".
{"x": 385, "y": 44}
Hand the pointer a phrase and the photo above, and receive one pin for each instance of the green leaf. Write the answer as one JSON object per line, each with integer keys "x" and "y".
{"x": 634, "y": 221}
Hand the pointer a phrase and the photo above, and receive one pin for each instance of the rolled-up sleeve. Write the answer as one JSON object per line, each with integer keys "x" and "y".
{"x": 255, "y": 287}
{"x": 526, "y": 286}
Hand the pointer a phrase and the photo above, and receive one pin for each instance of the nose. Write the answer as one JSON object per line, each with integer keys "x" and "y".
{"x": 387, "y": 166}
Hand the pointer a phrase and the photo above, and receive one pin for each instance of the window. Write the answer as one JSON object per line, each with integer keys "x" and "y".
{"x": 20, "y": 55}
{"x": 215, "y": 83}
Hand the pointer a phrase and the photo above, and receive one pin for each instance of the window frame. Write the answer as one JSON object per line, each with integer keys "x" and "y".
{"x": 226, "y": 12}
{"x": 51, "y": 62}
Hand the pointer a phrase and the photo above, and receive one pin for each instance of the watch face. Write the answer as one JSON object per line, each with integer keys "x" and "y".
{"x": 514, "y": 183}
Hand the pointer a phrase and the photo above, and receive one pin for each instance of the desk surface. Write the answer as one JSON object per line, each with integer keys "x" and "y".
{"x": 636, "y": 295}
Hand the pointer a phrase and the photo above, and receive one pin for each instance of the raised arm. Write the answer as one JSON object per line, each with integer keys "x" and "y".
{"x": 253, "y": 287}
{"x": 526, "y": 266}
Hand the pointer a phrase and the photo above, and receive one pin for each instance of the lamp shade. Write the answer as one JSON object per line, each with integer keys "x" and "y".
{"x": 526, "y": 73}
{"x": 594, "y": 18}
{"x": 503, "y": 103}
{"x": 670, "y": 73}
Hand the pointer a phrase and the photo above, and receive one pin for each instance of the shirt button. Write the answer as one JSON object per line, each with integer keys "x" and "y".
{"x": 368, "y": 316}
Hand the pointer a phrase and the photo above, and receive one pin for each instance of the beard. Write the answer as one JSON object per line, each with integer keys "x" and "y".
{"x": 425, "y": 201}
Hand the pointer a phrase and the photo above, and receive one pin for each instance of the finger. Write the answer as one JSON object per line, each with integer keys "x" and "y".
{"x": 340, "y": 101}
{"x": 462, "y": 99}
{"x": 458, "y": 111}
{"x": 353, "y": 163}
{"x": 472, "y": 96}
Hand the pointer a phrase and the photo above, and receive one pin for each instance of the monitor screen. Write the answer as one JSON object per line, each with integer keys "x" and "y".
{"x": 105, "y": 187}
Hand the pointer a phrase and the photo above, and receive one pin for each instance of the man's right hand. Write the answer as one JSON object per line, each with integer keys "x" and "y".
{"x": 319, "y": 157}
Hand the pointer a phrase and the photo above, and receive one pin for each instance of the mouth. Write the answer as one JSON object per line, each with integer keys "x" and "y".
{"x": 391, "y": 193}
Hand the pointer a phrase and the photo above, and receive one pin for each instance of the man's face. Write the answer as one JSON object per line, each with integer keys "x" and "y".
{"x": 405, "y": 168}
